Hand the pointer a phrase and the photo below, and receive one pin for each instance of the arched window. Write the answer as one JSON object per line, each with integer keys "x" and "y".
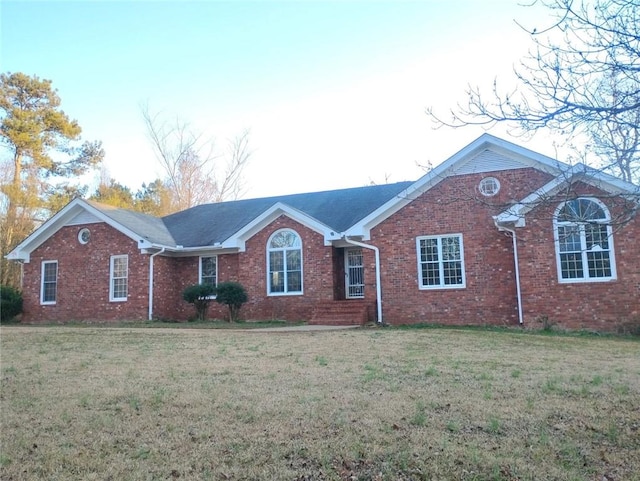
{"x": 584, "y": 243}
{"x": 284, "y": 259}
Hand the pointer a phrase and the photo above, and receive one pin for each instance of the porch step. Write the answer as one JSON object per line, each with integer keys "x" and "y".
{"x": 342, "y": 313}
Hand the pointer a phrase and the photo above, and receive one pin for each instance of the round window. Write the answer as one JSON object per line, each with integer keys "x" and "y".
{"x": 84, "y": 235}
{"x": 489, "y": 186}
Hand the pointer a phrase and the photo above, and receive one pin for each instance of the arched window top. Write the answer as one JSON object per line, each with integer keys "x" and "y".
{"x": 584, "y": 242}
{"x": 582, "y": 211}
{"x": 284, "y": 239}
{"x": 284, "y": 263}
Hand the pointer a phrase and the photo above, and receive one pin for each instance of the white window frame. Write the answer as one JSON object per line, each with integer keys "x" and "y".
{"x": 583, "y": 244}
{"x": 42, "y": 284}
{"x": 441, "y": 284}
{"x": 112, "y": 278}
{"x": 284, "y": 251}
{"x": 484, "y": 185}
{"x": 215, "y": 284}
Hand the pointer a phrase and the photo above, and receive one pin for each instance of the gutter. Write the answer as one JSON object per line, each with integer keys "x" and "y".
{"x": 151, "y": 281}
{"x": 502, "y": 228}
{"x": 163, "y": 249}
{"x": 378, "y": 284}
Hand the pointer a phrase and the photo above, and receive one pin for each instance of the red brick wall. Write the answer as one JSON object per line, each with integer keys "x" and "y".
{"x": 454, "y": 207}
{"x": 580, "y": 305}
{"x": 249, "y": 268}
{"x": 83, "y": 277}
{"x": 490, "y": 293}
{"x": 317, "y": 281}
{"x": 173, "y": 274}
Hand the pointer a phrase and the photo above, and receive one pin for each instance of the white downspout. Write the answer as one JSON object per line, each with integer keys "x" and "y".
{"x": 515, "y": 258}
{"x": 151, "y": 282}
{"x": 378, "y": 284}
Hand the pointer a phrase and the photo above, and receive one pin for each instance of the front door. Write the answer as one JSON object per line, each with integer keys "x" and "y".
{"x": 354, "y": 273}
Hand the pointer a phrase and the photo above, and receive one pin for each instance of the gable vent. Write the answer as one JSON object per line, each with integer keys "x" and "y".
{"x": 83, "y": 218}
{"x": 488, "y": 161}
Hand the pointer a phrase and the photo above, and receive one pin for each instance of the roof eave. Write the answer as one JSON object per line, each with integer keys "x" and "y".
{"x": 238, "y": 240}
{"x": 23, "y": 250}
{"x": 582, "y": 173}
{"x": 447, "y": 169}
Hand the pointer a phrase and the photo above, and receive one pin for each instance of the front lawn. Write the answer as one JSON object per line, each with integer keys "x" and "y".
{"x": 382, "y": 404}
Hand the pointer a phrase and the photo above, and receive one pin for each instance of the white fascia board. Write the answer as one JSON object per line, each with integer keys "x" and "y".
{"x": 237, "y": 241}
{"x": 56, "y": 222}
{"x": 448, "y": 169}
{"x": 582, "y": 173}
{"x": 508, "y": 218}
{"x": 179, "y": 251}
{"x": 608, "y": 183}
{"x": 522, "y": 154}
{"x": 52, "y": 225}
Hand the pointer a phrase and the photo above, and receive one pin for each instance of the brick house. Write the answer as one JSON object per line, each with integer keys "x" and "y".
{"x": 496, "y": 234}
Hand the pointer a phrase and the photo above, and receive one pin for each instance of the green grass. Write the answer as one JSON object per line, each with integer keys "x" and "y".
{"x": 386, "y": 404}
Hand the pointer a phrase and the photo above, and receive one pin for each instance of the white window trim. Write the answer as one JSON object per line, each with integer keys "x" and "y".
{"x": 111, "y": 278}
{"x": 284, "y": 249}
{"x": 440, "y": 264}
{"x": 482, "y": 186}
{"x": 200, "y": 271}
{"x": 585, "y": 268}
{"x": 81, "y": 238}
{"x": 42, "y": 301}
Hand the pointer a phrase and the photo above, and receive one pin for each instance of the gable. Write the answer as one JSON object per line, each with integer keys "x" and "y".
{"x": 228, "y": 223}
{"x": 487, "y": 160}
{"x": 577, "y": 174}
{"x": 83, "y": 217}
{"x": 138, "y": 227}
{"x": 485, "y": 154}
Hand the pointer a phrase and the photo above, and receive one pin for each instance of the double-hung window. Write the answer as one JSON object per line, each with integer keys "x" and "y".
{"x": 440, "y": 262}
{"x": 49, "y": 286}
{"x": 284, "y": 263}
{"x": 209, "y": 270}
{"x": 119, "y": 278}
{"x": 584, "y": 244}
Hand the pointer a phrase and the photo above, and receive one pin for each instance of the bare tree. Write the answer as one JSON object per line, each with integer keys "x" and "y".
{"x": 582, "y": 79}
{"x": 196, "y": 173}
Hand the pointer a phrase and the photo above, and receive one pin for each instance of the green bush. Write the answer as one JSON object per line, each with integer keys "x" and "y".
{"x": 200, "y": 295}
{"x": 233, "y": 295}
{"x": 10, "y": 303}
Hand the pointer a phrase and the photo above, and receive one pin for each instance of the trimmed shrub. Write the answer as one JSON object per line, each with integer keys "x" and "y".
{"x": 233, "y": 295}
{"x": 10, "y": 303}
{"x": 200, "y": 295}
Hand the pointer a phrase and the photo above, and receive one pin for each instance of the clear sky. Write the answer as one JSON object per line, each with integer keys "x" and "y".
{"x": 333, "y": 92}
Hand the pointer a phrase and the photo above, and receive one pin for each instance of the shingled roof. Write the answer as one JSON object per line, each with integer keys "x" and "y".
{"x": 147, "y": 227}
{"x": 209, "y": 224}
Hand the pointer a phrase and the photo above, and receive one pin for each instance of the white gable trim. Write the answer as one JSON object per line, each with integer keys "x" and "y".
{"x": 238, "y": 240}
{"x": 580, "y": 172}
{"x": 457, "y": 164}
{"x": 65, "y": 217}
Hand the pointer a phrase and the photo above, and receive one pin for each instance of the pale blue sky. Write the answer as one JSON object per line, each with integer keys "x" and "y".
{"x": 334, "y": 93}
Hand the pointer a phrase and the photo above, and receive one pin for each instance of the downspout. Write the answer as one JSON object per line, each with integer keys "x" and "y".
{"x": 151, "y": 281}
{"x": 517, "y": 270}
{"x": 378, "y": 284}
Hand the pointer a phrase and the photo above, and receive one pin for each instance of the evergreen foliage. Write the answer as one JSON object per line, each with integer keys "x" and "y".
{"x": 233, "y": 295}
{"x": 10, "y": 303}
{"x": 200, "y": 295}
